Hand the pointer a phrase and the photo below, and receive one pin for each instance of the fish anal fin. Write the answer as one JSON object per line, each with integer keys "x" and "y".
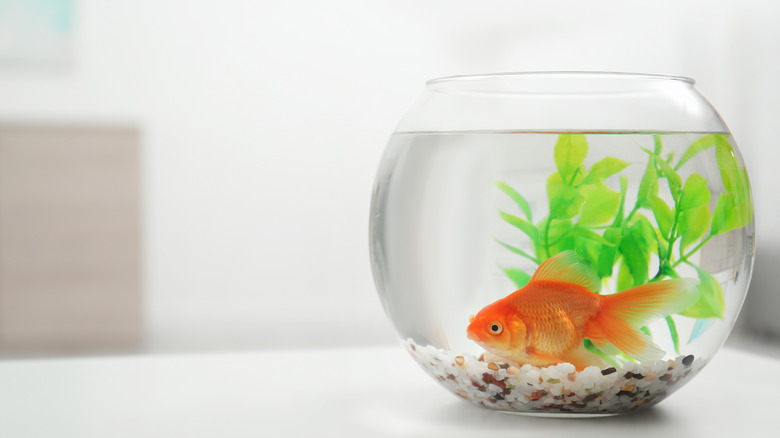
{"x": 567, "y": 267}
{"x": 608, "y": 330}
{"x": 606, "y": 347}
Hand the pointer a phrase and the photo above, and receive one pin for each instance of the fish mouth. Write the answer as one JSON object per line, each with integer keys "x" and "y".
{"x": 471, "y": 335}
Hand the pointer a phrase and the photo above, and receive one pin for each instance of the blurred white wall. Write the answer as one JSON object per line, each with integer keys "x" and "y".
{"x": 263, "y": 123}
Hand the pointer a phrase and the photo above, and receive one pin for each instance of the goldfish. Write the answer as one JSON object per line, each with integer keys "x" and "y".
{"x": 544, "y": 323}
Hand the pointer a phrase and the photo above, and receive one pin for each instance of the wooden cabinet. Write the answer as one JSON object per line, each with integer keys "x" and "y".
{"x": 70, "y": 239}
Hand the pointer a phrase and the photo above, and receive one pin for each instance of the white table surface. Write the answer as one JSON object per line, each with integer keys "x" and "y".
{"x": 371, "y": 392}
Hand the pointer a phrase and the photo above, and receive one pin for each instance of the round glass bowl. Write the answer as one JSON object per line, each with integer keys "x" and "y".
{"x": 629, "y": 184}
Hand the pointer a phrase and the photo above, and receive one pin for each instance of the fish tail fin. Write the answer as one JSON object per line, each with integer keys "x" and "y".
{"x": 622, "y": 314}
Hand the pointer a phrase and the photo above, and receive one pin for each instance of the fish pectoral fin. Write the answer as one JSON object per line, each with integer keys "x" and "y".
{"x": 581, "y": 358}
{"x": 611, "y": 330}
{"x": 541, "y": 357}
{"x": 493, "y": 357}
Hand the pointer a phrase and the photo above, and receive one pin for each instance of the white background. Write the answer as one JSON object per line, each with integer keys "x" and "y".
{"x": 263, "y": 124}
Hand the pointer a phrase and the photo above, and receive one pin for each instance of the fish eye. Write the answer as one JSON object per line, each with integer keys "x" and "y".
{"x": 495, "y": 327}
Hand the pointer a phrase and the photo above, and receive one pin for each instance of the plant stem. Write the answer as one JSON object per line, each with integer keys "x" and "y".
{"x": 630, "y": 215}
{"x": 547, "y": 236}
{"x": 684, "y": 258}
{"x": 574, "y": 175}
{"x": 670, "y": 241}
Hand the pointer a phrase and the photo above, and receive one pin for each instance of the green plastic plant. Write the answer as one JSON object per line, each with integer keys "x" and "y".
{"x": 591, "y": 219}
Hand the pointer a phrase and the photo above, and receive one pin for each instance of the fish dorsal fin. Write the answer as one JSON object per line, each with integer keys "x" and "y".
{"x": 567, "y": 267}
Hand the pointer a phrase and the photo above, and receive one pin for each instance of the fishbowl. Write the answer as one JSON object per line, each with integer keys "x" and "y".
{"x": 562, "y": 243}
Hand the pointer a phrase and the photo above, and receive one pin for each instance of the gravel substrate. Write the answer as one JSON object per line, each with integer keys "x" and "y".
{"x": 558, "y": 388}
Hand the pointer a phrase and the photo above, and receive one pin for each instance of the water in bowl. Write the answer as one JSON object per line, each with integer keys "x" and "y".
{"x": 463, "y": 219}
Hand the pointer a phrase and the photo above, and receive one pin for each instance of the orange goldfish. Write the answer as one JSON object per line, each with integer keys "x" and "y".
{"x": 544, "y": 322}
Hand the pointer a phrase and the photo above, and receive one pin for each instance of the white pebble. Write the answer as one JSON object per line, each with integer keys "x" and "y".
{"x": 551, "y": 373}
{"x": 566, "y": 368}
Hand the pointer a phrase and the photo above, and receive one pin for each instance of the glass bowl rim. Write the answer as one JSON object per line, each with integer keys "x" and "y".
{"x": 459, "y": 84}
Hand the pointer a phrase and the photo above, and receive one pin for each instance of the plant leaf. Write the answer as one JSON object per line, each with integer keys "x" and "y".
{"x": 738, "y": 216}
{"x": 518, "y": 276}
{"x": 697, "y": 146}
{"x": 729, "y": 168}
{"x": 729, "y": 215}
{"x": 742, "y": 191}
{"x": 719, "y": 224}
{"x": 636, "y": 245}
{"x": 518, "y": 251}
{"x": 663, "y": 214}
{"x": 737, "y": 210}
{"x": 608, "y": 254}
{"x": 622, "y": 207}
{"x": 673, "y": 332}
{"x": 603, "y": 169}
{"x": 675, "y": 182}
{"x": 643, "y": 230}
{"x": 695, "y": 193}
{"x": 663, "y": 244}
{"x": 742, "y": 213}
{"x": 693, "y": 224}
{"x": 519, "y": 200}
{"x": 699, "y": 328}
{"x": 711, "y": 303}
{"x": 558, "y": 242}
{"x": 657, "y": 144}
{"x": 587, "y": 248}
{"x": 648, "y": 186}
{"x": 744, "y": 197}
{"x": 565, "y": 200}
{"x": 625, "y": 280}
{"x": 569, "y": 153}
{"x": 588, "y": 234}
{"x": 523, "y": 225}
{"x": 600, "y": 206}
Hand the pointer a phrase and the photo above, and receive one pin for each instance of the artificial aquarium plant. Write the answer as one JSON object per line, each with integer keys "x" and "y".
{"x": 588, "y": 217}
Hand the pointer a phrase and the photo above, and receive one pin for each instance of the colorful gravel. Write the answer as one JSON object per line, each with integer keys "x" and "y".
{"x": 558, "y": 388}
